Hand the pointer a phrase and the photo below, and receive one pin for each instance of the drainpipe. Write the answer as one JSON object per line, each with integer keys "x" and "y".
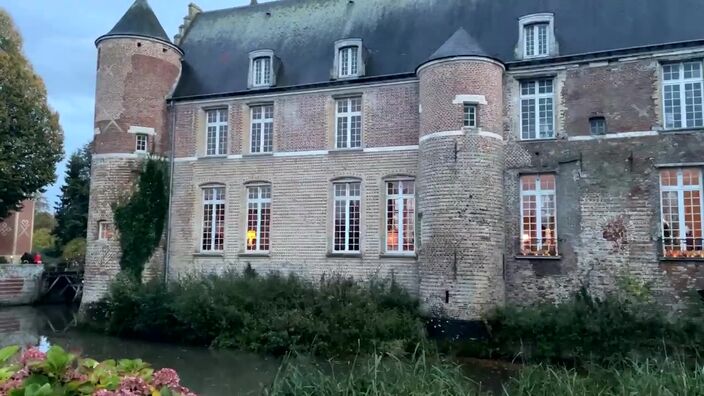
{"x": 172, "y": 135}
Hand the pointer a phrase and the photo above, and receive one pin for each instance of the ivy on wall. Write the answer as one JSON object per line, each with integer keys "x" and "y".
{"x": 141, "y": 218}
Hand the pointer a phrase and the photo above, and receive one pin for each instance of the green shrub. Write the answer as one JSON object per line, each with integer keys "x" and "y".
{"x": 75, "y": 252}
{"x": 42, "y": 240}
{"x": 374, "y": 376}
{"x": 271, "y": 314}
{"x": 586, "y": 328}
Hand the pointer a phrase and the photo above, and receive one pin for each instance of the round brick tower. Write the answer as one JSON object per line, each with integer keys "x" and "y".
{"x": 138, "y": 67}
{"x": 460, "y": 180}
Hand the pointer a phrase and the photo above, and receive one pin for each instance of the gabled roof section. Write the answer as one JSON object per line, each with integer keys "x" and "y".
{"x": 139, "y": 20}
{"x": 399, "y": 35}
{"x": 459, "y": 44}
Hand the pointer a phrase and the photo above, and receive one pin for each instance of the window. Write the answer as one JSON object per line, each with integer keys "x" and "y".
{"x": 348, "y": 133}
{"x": 106, "y": 231}
{"x": 538, "y": 225}
{"x": 258, "y": 218}
{"x": 400, "y": 216}
{"x": 141, "y": 143}
{"x": 535, "y": 37}
{"x": 348, "y": 61}
{"x": 346, "y": 216}
{"x": 262, "y": 129}
{"x": 216, "y": 126}
{"x": 470, "y": 115}
{"x": 681, "y": 205}
{"x": 682, "y": 95}
{"x": 537, "y": 112}
{"x": 597, "y": 125}
{"x": 213, "y": 219}
{"x": 261, "y": 71}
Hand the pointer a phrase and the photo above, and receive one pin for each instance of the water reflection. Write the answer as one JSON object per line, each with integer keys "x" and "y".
{"x": 207, "y": 372}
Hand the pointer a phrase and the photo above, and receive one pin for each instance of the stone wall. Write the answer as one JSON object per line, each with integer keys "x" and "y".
{"x": 20, "y": 284}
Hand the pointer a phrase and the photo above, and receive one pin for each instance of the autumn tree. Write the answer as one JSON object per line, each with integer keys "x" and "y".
{"x": 31, "y": 140}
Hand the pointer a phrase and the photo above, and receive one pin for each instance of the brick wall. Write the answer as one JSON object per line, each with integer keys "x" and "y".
{"x": 16, "y": 232}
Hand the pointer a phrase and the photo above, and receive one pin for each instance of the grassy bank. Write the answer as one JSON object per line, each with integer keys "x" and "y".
{"x": 270, "y": 314}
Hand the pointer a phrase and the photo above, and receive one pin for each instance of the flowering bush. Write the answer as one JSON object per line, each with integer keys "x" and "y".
{"x": 56, "y": 372}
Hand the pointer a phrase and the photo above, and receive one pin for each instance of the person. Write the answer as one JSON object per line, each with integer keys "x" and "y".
{"x": 27, "y": 258}
{"x": 38, "y": 258}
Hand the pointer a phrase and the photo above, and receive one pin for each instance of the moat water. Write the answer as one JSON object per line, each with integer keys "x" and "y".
{"x": 207, "y": 372}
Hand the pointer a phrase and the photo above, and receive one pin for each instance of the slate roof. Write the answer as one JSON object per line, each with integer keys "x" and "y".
{"x": 401, "y": 34}
{"x": 459, "y": 44}
{"x": 139, "y": 20}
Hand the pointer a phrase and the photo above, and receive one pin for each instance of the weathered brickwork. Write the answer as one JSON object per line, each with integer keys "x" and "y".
{"x": 16, "y": 233}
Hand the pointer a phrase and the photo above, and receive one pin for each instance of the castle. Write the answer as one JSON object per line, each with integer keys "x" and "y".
{"x": 480, "y": 152}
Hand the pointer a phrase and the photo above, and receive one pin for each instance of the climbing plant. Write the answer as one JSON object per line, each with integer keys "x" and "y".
{"x": 141, "y": 217}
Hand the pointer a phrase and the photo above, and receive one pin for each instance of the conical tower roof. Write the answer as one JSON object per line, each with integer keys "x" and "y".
{"x": 460, "y": 43}
{"x": 139, "y": 20}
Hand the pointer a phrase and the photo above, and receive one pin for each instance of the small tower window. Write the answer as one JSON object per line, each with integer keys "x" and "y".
{"x": 536, "y": 36}
{"x": 142, "y": 140}
{"x": 470, "y": 115}
{"x": 597, "y": 125}
{"x": 261, "y": 71}
{"x": 106, "y": 231}
{"x": 348, "y": 61}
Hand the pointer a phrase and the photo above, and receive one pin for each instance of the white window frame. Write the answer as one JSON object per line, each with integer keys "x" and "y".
{"x": 680, "y": 189}
{"x": 533, "y": 39}
{"x": 141, "y": 139}
{"x": 348, "y": 116}
{"x": 400, "y": 207}
{"x": 262, "y": 124}
{"x": 104, "y": 226}
{"x": 349, "y": 61}
{"x": 537, "y": 96}
{"x": 471, "y": 113}
{"x": 221, "y": 126}
{"x": 261, "y": 71}
{"x": 261, "y": 201}
{"x": 347, "y": 201}
{"x": 538, "y": 193}
{"x": 681, "y": 82}
{"x": 213, "y": 203}
{"x": 532, "y": 23}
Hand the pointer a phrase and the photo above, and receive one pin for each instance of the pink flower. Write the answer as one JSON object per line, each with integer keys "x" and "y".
{"x": 6, "y": 387}
{"x": 32, "y": 355}
{"x": 183, "y": 391}
{"x": 166, "y": 378}
{"x": 104, "y": 392}
{"x": 133, "y": 386}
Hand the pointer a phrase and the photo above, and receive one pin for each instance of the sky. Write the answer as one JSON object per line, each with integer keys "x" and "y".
{"x": 59, "y": 38}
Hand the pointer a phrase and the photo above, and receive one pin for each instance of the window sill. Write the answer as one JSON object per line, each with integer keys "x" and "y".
{"x": 207, "y": 254}
{"x": 255, "y": 155}
{"x": 681, "y": 259}
{"x": 410, "y": 256}
{"x": 346, "y": 150}
{"x": 538, "y": 257}
{"x": 254, "y": 254}
{"x": 681, "y": 130}
{"x": 345, "y": 255}
{"x": 219, "y": 156}
{"x": 541, "y": 140}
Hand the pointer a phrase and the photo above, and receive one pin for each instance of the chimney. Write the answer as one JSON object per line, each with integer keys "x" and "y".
{"x": 253, "y": 2}
{"x": 193, "y": 10}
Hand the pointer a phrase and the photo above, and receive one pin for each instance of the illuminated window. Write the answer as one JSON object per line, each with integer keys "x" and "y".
{"x": 261, "y": 71}
{"x": 538, "y": 225}
{"x": 213, "y": 219}
{"x": 258, "y": 218}
{"x": 470, "y": 115}
{"x": 141, "y": 143}
{"x": 682, "y": 95}
{"x": 216, "y": 129}
{"x": 681, "y": 205}
{"x": 346, "y": 216}
{"x": 262, "y": 129}
{"x": 349, "y": 61}
{"x": 106, "y": 231}
{"x": 348, "y": 131}
{"x": 537, "y": 112}
{"x": 400, "y": 216}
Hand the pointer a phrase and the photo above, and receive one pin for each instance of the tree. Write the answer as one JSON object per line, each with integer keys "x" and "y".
{"x": 72, "y": 210}
{"x": 43, "y": 241}
{"x": 31, "y": 140}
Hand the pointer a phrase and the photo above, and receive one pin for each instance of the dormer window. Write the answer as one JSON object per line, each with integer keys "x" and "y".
{"x": 536, "y": 36}
{"x": 348, "y": 62}
{"x": 349, "y": 59}
{"x": 262, "y": 69}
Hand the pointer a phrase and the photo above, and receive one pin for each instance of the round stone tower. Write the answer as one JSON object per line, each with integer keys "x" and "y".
{"x": 138, "y": 67}
{"x": 460, "y": 180}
